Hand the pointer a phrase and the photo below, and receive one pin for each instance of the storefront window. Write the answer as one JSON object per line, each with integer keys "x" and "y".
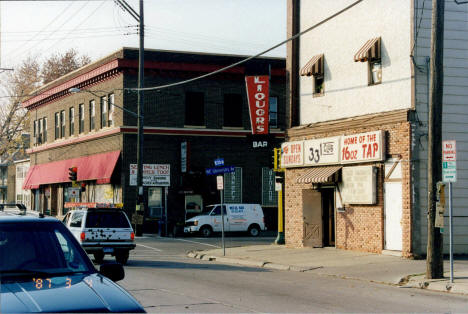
{"x": 155, "y": 202}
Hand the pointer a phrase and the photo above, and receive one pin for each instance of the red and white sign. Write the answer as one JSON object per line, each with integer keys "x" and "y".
{"x": 449, "y": 150}
{"x": 362, "y": 147}
{"x": 257, "y": 96}
{"x": 292, "y": 154}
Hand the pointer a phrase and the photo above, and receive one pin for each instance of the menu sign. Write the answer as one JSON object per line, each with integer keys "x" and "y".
{"x": 322, "y": 151}
{"x": 362, "y": 147}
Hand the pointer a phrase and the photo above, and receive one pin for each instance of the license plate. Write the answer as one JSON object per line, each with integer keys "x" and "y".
{"x": 108, "y": 250}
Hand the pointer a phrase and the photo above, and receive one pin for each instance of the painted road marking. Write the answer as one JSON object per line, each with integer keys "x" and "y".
{"x": 198, "y": 243}
{"x": 149, "y": 247}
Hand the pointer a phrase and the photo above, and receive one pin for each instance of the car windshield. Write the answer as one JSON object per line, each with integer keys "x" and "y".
{"x": 106, "y": 219}
{"x": 207, "y": 210}
{"x": 45, "y": 248}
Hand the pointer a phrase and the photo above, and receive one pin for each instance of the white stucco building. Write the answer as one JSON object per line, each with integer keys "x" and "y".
{"x": 357, "y": 148}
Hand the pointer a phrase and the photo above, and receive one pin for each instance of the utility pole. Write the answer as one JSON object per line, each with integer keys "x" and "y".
{"x": 434, "y": 260}
{"x": 141, "y": 83}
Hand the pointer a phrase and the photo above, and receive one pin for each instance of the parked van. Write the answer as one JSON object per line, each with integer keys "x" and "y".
{"x": 237, "y": 217}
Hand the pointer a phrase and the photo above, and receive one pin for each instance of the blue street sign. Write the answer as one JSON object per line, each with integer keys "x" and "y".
{"x": 219, "y": 162}
{"x": 219, "y": 170}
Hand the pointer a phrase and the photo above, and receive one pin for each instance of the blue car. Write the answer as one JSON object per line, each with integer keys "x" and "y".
{"x": 44, "y": 269}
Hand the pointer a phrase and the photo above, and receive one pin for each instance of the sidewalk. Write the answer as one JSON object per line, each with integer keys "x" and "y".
{"x": 371, "y": 267}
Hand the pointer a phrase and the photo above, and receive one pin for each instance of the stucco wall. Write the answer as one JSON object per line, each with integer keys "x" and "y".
{"x": 347, "y": 92}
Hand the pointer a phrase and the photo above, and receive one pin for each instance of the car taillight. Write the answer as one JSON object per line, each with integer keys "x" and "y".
{"x": 132, "y": 236}
{"x": 82, "y": 236}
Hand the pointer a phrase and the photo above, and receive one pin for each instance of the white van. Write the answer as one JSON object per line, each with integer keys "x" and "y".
{"x": 237, "y": 217}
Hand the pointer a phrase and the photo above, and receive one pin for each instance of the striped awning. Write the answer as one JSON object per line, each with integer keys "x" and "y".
{"x": 319, "y": 175}
{"x": 314, "y": 66}
{"x": 370, "y": 50}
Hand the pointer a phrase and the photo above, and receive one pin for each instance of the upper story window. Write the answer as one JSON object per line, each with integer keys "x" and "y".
{"x": 273, "y": 112}
{"x": 194, "y": 108}
{"x": 57, "y": 125}
{"x": 72, "y": 120}
{"x": 232, "y": 110}
{"x": 35, "y": 129}
{"x": 111, "y": 101}
{"x": 103, "y": 104}
{"x": 315, "y": 69}
{"x": 44, "y": 133}
{"x": 371, "y": 52}
{"x": 62, "y": 123}
{"x": 81, "y": 118}
{"x": 92, "y": 115}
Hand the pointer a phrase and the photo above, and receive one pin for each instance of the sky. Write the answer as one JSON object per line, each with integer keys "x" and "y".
{"x": 99, "y": 27}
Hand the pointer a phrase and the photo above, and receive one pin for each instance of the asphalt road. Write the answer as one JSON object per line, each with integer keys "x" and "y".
{"x": 163, "y": 279}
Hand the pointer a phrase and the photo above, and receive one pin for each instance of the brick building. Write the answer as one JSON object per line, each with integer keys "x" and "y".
{"x": 186, "y": 127}
{"x": 356, "y": 149}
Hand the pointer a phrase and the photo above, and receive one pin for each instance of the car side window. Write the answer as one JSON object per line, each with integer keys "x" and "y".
{"x": 217, "y": 211}
{"x": 66, "y": 218}
{"x": 71, "y": 258}
{"x": 76, "y": 219}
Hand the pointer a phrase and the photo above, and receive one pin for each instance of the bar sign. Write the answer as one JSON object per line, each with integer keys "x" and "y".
{"x": 449, "y": 161}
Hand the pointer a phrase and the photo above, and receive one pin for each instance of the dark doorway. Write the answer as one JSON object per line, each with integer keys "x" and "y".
{"x": 328, "y": 208}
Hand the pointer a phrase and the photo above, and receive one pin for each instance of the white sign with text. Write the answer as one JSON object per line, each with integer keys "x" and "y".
{"x": 322, "y": 151}
{"x": 362, "y": 147}
{"x": 153, "y": 174}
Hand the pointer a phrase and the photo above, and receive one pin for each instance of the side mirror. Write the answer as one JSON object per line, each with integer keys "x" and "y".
{"x": 113, "y": 271}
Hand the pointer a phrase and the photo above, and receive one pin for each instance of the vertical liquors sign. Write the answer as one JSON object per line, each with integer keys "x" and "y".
{"x": 257, "y": 96}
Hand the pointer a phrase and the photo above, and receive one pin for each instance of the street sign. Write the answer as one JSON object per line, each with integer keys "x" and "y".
{"x": 73, "y": 192}
{"x": 219, "y": 170}
{"x": 219, "y": 182}
{"x": 219, "y": 162}
{"x": 449, "y": 161}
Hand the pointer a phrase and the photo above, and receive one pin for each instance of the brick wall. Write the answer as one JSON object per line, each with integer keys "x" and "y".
{"x": 360, "y": 227}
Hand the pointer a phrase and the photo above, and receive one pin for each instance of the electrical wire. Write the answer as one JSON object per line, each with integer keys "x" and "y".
{"x": 249, "y": 58}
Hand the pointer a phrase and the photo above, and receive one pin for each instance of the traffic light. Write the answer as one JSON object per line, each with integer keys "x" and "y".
{"x": 275, "y": 159}
{"x": 83, "y": 187}
{"x": 73, "y": 173}
{"x": 279, "y": 179}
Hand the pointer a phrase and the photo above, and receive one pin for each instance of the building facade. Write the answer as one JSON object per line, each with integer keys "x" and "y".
{"x": 356, "y": 151}
{"x": 186, "y": 128}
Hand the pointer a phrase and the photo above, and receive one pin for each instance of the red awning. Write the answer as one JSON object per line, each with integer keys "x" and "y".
{"x": 97, "y": 167}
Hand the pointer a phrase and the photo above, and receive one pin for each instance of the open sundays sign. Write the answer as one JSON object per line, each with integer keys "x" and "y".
{"x": 362, "y": 147}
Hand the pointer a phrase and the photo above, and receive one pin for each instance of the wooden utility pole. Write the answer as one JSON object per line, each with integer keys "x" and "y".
{"x": 434, "y": 261}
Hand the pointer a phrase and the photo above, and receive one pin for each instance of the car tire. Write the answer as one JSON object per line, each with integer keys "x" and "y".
{"x": 98, "y": 257}
{"x": 254, "y": 230}
{"x": 122, "y": 257}
{"x": 206, "y": 231}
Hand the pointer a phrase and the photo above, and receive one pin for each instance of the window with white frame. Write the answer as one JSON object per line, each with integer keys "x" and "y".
{"x": 103, "y": 104}
{"x": 92, "y": 115}
{"x": 111, "y": 109}
{"x": 62, "y": 123}
{"x": 72, "y": 120}
{"x": 81, "y": 117}
{"x": 57, "y": 125}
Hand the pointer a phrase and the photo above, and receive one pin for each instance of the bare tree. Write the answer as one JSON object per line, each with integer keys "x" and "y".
{"x": 20, "y": 85}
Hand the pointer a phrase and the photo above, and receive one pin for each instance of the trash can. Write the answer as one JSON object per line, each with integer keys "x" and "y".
{"x": 161, "y": 228}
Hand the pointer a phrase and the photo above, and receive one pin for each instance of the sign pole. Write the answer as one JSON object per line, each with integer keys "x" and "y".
{"x": 222, "y": 223}
{"x": 451, "y": 231}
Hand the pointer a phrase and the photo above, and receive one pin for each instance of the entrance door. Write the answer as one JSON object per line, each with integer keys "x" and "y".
{"x": 328, "y": 205}
{"x": 312, "y": 211}
{"x": 393, "y": 214}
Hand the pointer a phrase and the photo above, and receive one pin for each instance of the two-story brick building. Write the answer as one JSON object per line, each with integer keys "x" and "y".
{"x": 356, "y": 151}
{"x": 185, "y": 129}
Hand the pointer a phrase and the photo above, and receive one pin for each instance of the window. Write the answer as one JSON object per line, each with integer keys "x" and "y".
{"x": 315, "y": 68}
{"x": 232, "y": 110}
{"x": 35, "y": 132}
{"x": 103, "y": 104}
{"x": 371, "y": 53}
{"x": 41, "y": 130}
{"x": 62, "y": 123}
{"x": 111, "y": 110}
{"x": 81, "y": 117}
{"x": 194, "y": 108}
{"x": 57, "y": 125}
{"x": 72, "y": 120}
{"x": 44, "y": 135}
{"x": 273, "y": 112}
{"x": 92, "y": 113}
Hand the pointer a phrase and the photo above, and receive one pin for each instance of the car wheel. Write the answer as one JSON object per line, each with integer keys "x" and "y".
{"x": 122, "y": 257}
{"x": 98, "y": 257}
{"x": 206, "y": 231}
{"x": 254, "y": 230}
